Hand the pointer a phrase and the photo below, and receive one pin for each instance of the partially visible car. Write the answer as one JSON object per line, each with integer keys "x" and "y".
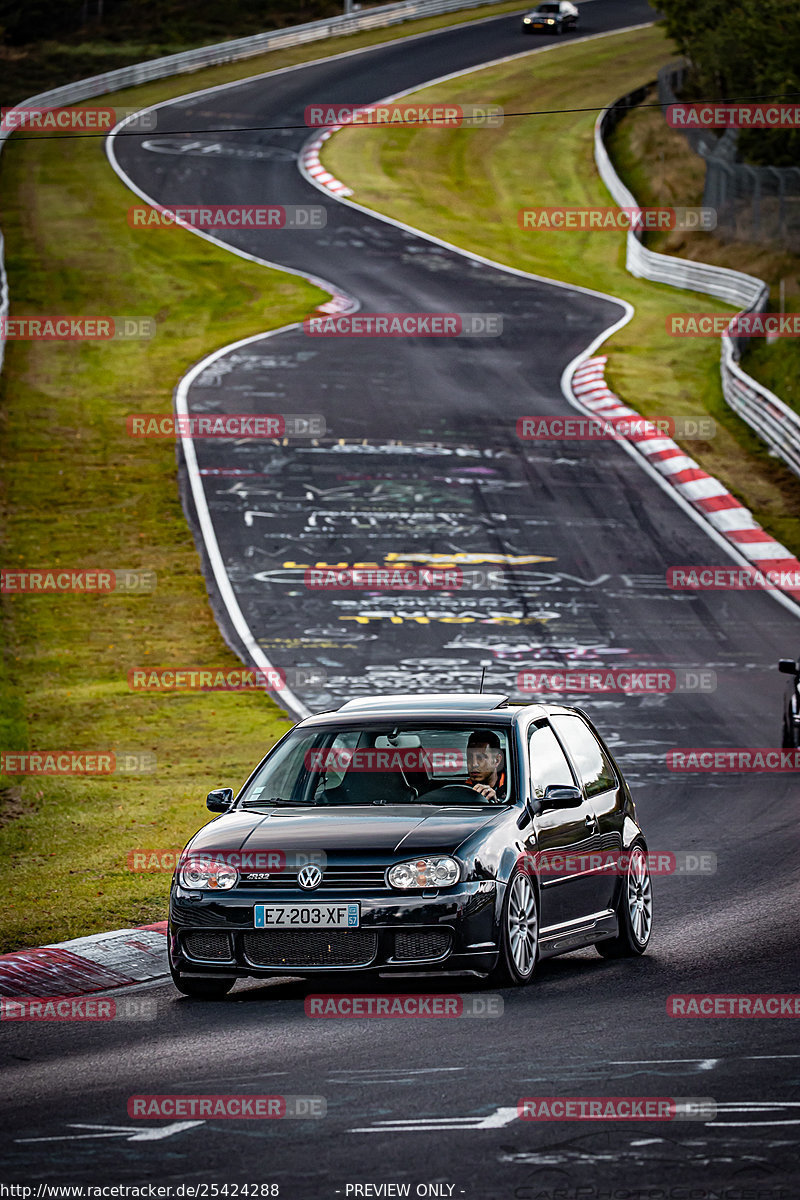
{"x": 554, "y": 16}
{"x": 790, "y": 733}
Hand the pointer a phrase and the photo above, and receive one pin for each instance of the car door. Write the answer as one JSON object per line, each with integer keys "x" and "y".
{"x": 560, "y": 835}
{"x": 604, "y": 802}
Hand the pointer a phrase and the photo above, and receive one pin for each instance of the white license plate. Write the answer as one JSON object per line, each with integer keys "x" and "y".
{"x": 307, "y": 916}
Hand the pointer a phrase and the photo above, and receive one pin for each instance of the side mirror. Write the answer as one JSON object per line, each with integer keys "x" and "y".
{"x": 219, "y": 800}
{"x": 787, "y": 666}
{"x": 561, "y": 796}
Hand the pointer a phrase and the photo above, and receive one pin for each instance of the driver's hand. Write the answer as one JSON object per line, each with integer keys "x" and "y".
{"x": 486, "y": 791}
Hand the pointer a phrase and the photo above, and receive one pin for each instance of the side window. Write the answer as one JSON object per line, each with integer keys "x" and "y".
{"x": 596, "y": 772}
{"x": 548, "y": 761}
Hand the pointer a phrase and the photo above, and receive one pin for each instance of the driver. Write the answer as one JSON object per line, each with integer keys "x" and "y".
{"x": 485, "y": 765}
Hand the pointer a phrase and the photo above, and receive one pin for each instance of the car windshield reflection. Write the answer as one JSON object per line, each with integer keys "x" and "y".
{"x": 385, "y": 765}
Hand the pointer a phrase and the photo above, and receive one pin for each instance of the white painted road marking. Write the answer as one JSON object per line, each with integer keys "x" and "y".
{"x": 757, "y": 1108}
{"x": 495, "y": 1120}
{"x": 155, "y": 1133}
{"x": 703, "y": 1064}
{"x": 504, "y": 1116}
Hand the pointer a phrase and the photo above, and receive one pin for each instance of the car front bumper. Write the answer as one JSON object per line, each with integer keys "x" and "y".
{"x": 450, "y": 930}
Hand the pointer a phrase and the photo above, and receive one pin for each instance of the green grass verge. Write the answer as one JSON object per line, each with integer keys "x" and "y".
{"x": 77, "y": 492}
{"x": 467, "y": 186}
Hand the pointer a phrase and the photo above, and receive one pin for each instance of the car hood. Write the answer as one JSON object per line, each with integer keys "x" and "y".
{"x": 389, "y": 829}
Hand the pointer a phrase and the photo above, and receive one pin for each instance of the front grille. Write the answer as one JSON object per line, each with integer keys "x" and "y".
{"x": 351, "y": 879}
{"x": 310, "y": 948}
{"x": 211, "y": 946}
{"x": 427, "y": 943}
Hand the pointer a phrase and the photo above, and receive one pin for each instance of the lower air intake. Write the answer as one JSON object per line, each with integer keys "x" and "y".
{"x": 430, "y": 943}
{"x": 310, "y": 948}
{"x": 208, "y": 945}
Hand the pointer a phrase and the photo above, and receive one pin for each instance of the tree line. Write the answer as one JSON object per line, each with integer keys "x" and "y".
{"x": 742, "y": 49}
{"x": 27, "y": 22}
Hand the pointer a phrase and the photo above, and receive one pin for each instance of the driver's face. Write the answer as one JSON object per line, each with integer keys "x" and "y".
{"x": 483, "y": 763}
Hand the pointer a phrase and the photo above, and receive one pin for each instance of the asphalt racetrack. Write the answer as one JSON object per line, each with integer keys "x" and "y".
{"x": 421, "y": 458}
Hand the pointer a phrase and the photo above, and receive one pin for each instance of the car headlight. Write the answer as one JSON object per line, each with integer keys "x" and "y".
{"x": 434, "y": 872}
{"x": 209, "y": 874}
{"x": 526, "y": 20}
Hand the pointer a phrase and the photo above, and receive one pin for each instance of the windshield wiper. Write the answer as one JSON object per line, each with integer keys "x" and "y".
{"x": 280, "y": 801}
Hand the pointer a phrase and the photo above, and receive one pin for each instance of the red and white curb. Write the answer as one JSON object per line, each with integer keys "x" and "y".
{"x": 310, "y": 160}
{"x": 87, "y": 964}
{"x": 338, "y": 303}
{"x": 706, "y": 494}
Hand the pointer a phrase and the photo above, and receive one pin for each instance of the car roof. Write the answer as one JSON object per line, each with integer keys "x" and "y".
{"x": 472, "y": 707}
{"x": 466, "y": 702}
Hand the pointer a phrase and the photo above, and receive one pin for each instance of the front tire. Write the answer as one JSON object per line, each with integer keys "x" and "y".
{"x": 634, "y": 910}
{"x": 787, "y": 735}
{"x": 519, "y": 933}
{"x": 200, "y": 989}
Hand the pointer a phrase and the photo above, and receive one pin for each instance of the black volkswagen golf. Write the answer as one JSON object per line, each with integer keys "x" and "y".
{"x": 449, "y": 833}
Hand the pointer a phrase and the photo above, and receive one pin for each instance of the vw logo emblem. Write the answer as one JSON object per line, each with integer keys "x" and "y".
{"x": 310, "y": 877}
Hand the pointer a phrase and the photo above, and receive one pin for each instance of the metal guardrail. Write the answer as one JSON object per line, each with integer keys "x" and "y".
{"x": 225, "y": 52}
{"x": 773, "y": 421}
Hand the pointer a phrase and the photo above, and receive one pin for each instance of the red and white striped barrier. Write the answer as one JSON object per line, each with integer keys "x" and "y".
{"x": 705, "y": 493}
{"x": 88, "y": 964}
{"x": 320, "y": 174}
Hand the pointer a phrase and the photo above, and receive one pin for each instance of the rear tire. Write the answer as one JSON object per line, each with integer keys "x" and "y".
{"x": 634, "y": 910}
{"x": 519, "y": 934}
{"x": 787, "y": 736}
{"x": 200, "y": 989}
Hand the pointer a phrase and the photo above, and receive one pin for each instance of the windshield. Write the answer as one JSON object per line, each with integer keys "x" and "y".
{"x": 395, "y": 763}
{"x": 549, "y": 8}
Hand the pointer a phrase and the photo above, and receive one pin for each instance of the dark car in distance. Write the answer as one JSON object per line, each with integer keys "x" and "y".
{"x": 790, "y": 730}
{"x": 554, "y": 16}
{"x": 449, "y": 833}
